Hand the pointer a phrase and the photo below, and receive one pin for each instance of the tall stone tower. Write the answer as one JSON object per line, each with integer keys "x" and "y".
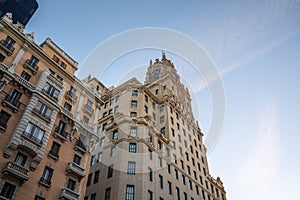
{"x": 150, "y": 145}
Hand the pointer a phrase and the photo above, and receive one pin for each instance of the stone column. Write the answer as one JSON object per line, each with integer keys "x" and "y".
{"x": 17, "y": 58}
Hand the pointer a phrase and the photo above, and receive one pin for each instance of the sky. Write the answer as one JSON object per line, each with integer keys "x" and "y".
{"x": 255, "y": 46}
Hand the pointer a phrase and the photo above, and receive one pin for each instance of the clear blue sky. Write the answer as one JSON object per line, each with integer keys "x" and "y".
{"x": 255, "y": 45}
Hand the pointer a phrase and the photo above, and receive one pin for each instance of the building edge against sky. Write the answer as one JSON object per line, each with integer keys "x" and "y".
{"x": 51, "y": 122}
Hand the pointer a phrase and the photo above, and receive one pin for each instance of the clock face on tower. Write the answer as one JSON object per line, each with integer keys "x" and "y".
{"x": 155, "y": 73}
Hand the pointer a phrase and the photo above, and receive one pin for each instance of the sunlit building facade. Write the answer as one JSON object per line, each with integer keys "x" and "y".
{"x": 150, "y": 145}
{"x": 48, "y": 119}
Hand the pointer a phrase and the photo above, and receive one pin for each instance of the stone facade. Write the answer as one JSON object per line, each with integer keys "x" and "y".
{"x": 150, "y": 144}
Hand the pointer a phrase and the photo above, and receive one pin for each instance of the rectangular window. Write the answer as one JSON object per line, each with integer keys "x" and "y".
{"x": 47, "y": 175}
{"x": 51, "y": 91}
{"x": 134, "y": 93}
{"x": 169, "y": 187}
{"x": 115, "y": 135}
{"x": 8, "y": 190}
{"x": 25, "y": 75}
{"x": 162, "y": 119}
{"x": 107, "y": 194}
{"x": 176, "y": 173}
{"x": 133, "y": 131}
{"x": 183, "y": 179}
{"x": 132, "y": 147}
{"x": 131, "y": 168}
{"x": 102, "y": 141}
{"x": 146, "y": 109}
{"x": 177, "y": 193}
{"x": 161, "y": 183}
{"x": 96, "y": 177}
{"x": 150, "y": 195}
{"x": 133, "y": 104}
{"x": 34, "y": 133}
{"x": 77, "y": 159}
{"x": 146, "y": 98}
{"x": 133, "y": 114}
{"x": 43, "y": 110}
{"x": 117, "y": 98}
{"x": 169, "y": 169}
{"x": 112, "y": 151}
{"x": 100, "y": 157}
{"x": 159, "y": 161}
{"x": 13, "y": 97}
{"x": 89, "y": 180}
{"x": 185, "y": 196}
{"x": 150, "y": 174}
{"x": 93, "y": 196}
{"x": 55, "y": 149}
{"x": 20, "y": 159}
{"x": 110, "y": 171}
{"x": 150, "y": 154}
{"x": 161, "y": 108}
{"x": 191, "y": 184}
{"x": 4, "y": 117}
{"x": 116, "y": 109}
{"x": 129, "y": 192}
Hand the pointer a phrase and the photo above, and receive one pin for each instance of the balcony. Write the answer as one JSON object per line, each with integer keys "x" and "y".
{"x": 10, "y": 102}
{"x": 88, "y": 109}
{"x": 80, "y": 146}
{"x": 7, "y": 47}
{"x": 61, "y": 134}
{"x": 31, "y": 65}
{"x": 76, "y": 170}
{"x": 67, "y": 194}
{"x": 16, "y": 171}
{"x": 42, "y": 115}
{"x": 72, "y": 96}
{"x": 45, "y": 182}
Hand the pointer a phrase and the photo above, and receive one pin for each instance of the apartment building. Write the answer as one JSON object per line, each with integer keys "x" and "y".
{"x": 48, "y": 119}
{"x": 150, "y": 145}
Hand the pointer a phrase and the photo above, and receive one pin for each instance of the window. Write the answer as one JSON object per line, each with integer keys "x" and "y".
{"x": 8, "y": 43}
{"x": 34, "y": 133}
{"x": 201, "y": 181}
{"x": 99, "y": 159}
{"x": 55, "y": 149}
{"x": 93, "y": 196}
{"x": 203, "y": 194}
{"x": 189, "y": 170}
{"x": 161, "y": 108}
{"x": 20, "y": 159}
{"x": 150, "y": 195}
{"x": 146, "y": 98}
{"x": 133, "y": 131}
{"x": 185, "y": 196}
{"x": 176, "y": 173}
{"x": 129, "y": 192}
{"x": 169, "y": 187}
{"x": 62, "y": 126}
{"x": 150, "y": 174}
{"x": 134, "y": 93}
{"x": 178, "y": 127}
{"x": 106, "y": 105}
{"x": 115, "y": 135}
{"x": 159, "y": 161}
{"x": 146, "y": 109}
{"x": 171, "y": 109}
{"x": 37, "y": 197}
{"x": 153, "y": 105}
{"x": 102, "y": 142}
{"x": 68, "y": 106}
{"x": 173, "y": 132}
{"x": 183, "y": 179}
{"x": 93, "y": 159}
{"x": 4, "y": 117}
{"x": 177, "y": 193}
{"x": 89, "y": 180}
{"x": 110, "y": 171}
{"x": 150, "y": 154}
{"x": 150, "y": 138}
{"x": 169, "y": 169}
{"x": 13, "y": 97}
{"x": 117, "y": 98}
{"x": 175, "y": 158}
{"x": 204, "y": 171}
{"x": 159, "y": 145}
{"x": 153, "y": 116}
{"x": 25, "y": 75}
{"x": 8, "y": 190}
{"x": 160, "y": 181}
{"x": 132, "y": 147}
{"x": 43, "y": 110}
{"x": 47, "y": 175}
{"x": 107, "y": 194}
{"x": 167, "y": 151}
{"x": 206, "y": 184}
{"x": 195, "y": 175}
{"x": 197, "y": 190}
{"x": 110, "y": 111}
{"x": 172, "y": 120}
{"x": 180, "y": 151}
{"x": 104, "y": 126}
{"x": 111, "y": 102}
{"x": 51, "y": 91}
{"x": 85, "y": 119}
{"x": 55, "y": 58}
{"x": 104, "y": 114}
{"x": 131, "y": 168}
{"x": 156, "y": 92}
{"x": 112, "y": 151}
{"x": 133, "y": 104}
{"x": 2, "y": 57}
{"x": 96, "y": 177}
{"x": 179, "y": 138}
{"x": 191, "y": 184}
{"x": 187, "y": 156}
{"x": 162, "y": 119}
{"x": 182, "y": 165}
{"x": 133, "y": 114}
{"x": 77, "y": 159}
{"x": 116, "y": 109}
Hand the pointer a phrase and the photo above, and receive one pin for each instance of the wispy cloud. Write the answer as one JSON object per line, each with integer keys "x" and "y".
{"x": 256, "y": 177}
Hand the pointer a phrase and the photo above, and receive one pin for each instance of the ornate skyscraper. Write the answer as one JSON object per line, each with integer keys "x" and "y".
{"x": 150, "y": 144}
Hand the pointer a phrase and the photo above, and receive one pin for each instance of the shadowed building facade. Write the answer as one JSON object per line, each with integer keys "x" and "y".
{"x": 150, "y": 144}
